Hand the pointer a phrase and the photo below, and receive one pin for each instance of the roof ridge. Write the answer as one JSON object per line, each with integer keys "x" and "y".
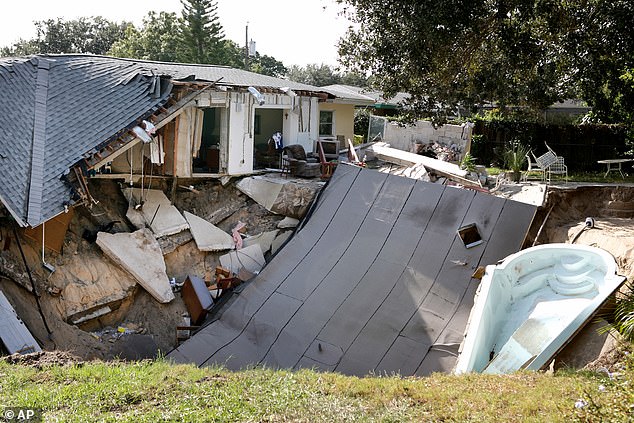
{"x": 36, "y": 184}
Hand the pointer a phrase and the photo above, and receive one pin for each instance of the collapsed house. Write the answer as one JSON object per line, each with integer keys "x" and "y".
{"x": 69, "y": 117}
{"x": 69, "y": 120}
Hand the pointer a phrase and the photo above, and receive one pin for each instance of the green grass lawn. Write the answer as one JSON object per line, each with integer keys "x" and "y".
{"x": 158, "y": 391}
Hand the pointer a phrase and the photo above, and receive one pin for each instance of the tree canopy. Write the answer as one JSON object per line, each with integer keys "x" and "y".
{"x": 94, "y": 35}
{"x": 158, "y": 39}
{"x": 322, "y": 75}
{"x": 513, "y": 52}
{"x": 194, "y": 37}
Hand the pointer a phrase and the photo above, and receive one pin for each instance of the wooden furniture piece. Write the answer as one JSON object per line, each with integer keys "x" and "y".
{"x": 197, "y": 298}
{"x": 326, "y": 167}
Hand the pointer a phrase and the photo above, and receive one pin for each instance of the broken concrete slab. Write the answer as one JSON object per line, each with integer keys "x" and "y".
{"x": 416, "y": 171}
{"x": 280, "y": 240}
{"x": 285, "y": 197}
{"x": 529, "y": 193}
{"x": 208, "y": 237}
{"x": 249, "y": 258}
{"x": 155, "y": 210}
{"x": 139, "y": 253}
{"x": 264, "y": 240}
{"x": 92, "y": 285}
{"x": 13, "y": 332}
{"x": 170, "y": 243}
{"x": 262, "y": 190}
{"x": 288, "y": 222}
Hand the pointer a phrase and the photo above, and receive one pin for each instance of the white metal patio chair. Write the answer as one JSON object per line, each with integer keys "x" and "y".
{"x": 557, "y": 167}
{"x": 533, "y": 166}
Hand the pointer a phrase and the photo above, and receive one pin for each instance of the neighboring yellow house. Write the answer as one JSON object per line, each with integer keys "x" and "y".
{"x": 336, "y": 116}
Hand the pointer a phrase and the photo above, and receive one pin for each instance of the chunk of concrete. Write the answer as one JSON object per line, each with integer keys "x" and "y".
{"x": 139, "y": 253}
{"x": 288, "y": 222}
{"x": 263, "y": 191}
{"x": 264, "y": 240}
{"x": 208, "y": 237}
{"x": 155, "y": 210}
{"x": 280, "y": 240}
{"x": 294, "y": 199}
{"x": 249, "y": 258}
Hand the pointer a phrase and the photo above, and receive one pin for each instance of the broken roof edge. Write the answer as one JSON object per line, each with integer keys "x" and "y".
{"x": 189, "y": 78}
{"x": 12, "y": 212}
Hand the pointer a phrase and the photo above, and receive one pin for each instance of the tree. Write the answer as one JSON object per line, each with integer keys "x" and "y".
{"x": 463, "y": 52}
{"x": 201, "y": 33}
{"x": 157, "y": 39}
{"x": 267, "y": 65}
{"x": 322, "y": 75}
{"x": 93, "y": 35}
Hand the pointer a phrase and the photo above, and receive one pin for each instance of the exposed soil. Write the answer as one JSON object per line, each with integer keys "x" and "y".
{"x": 138, "y": 326}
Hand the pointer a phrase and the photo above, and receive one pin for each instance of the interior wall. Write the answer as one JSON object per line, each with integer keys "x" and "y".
{"x": 270, "y": 122}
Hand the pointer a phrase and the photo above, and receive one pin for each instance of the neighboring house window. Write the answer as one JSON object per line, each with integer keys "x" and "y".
{"x": 326, "y": 123}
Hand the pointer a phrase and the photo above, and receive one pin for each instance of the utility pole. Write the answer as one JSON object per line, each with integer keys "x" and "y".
{"x": 246, "y": 47}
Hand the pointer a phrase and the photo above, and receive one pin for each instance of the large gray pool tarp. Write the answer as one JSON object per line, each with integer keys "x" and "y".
{"x": 377, "y": 281}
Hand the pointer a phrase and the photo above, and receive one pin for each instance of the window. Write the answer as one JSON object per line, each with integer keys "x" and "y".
{"x": 326, "y": 123}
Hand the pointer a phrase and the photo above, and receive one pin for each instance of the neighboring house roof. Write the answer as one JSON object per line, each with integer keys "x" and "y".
{"x": 55, "y": 108}
{"x": 347, "y": 94}
{"x": 365, "y": 93}
{"x": 390, "y": 284}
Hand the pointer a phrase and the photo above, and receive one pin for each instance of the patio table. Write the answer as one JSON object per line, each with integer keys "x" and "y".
{"x": 614, "y": 164}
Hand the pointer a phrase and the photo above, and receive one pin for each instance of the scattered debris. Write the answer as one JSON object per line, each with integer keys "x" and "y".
{"x": 286, "y": 197}
{"x": 264, "y": 240}
{"x": 140, "y": 254}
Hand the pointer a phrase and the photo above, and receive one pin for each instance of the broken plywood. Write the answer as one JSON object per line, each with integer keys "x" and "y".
{"x": 208, "y": 237}
{"x": 13, "y": 332}
{"x": 140, "y": 254}
{"x": 152, "y": 208}
{"x": 451, "y": 171}
{"x": 249, "y": 258}
{"x": 378, "y": 276}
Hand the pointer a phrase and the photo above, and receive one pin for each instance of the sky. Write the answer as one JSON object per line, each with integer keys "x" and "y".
{"x": 296, "y": 32}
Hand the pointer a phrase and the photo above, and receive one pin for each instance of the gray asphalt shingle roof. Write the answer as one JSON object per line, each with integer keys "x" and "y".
{"x": 377, "y": 280}
{"x": 53, "y": 109}
{"x": 56, "y": 108}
